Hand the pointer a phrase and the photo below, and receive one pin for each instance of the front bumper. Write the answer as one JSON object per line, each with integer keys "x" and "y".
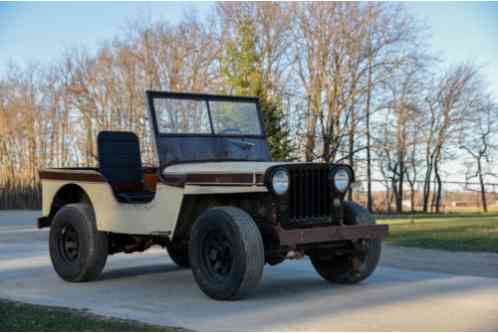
{"x": 295, "y": 237}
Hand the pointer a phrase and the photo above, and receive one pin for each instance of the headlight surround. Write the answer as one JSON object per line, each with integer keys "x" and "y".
{"x": 280, "y": 181}
{"x": 341, "y": 179}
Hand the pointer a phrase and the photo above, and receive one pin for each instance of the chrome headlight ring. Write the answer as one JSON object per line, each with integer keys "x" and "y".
{"x": 280, "y": 181}
{"x": 341, "y": 179}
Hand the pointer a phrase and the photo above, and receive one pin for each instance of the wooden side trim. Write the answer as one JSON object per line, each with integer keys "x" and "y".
{"x": 174, "y": 180}
{"x": 72, "y": 175}
{"x": 177, "y": 180}
{"x": 213, "y": 179}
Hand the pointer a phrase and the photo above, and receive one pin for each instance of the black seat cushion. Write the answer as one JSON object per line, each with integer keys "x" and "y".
{"x": 121, "y": 165}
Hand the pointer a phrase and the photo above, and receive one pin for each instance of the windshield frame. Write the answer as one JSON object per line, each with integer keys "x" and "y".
{"x": 151, "y": 95}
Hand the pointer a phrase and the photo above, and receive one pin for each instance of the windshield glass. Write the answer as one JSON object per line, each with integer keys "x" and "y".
{"x": 235, "y": 118}
{"x": 200, "y": 116}
{"x": 182, "y": 116}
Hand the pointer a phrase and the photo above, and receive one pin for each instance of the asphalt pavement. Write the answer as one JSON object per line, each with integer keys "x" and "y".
{"x": 411, "y": 290}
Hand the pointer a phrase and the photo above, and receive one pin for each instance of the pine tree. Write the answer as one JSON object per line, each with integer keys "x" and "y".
{"x": 242, "y": 70}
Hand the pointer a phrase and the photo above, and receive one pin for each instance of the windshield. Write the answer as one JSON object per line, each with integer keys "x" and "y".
{"x": 235, "y": 118}
{"x": 191, "y": 127}
{"x": 182, "y": 116}
{"x": 200, "y": 116}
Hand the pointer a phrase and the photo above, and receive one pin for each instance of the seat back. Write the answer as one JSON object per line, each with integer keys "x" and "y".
{"x": 119, "y": 158}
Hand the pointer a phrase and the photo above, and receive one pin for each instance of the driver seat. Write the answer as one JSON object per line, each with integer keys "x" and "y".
{"x": 121, "y": 165}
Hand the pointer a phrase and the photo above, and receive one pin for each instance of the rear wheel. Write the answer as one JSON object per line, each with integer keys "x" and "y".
{"x": 77, "y": 249}
{"x": 350, "y": 268}
{"x": 226, "y": 253}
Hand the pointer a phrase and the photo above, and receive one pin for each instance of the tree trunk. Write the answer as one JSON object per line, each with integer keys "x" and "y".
{"x": 412, "y": 198}
{"x": 484, "y": 202}
{"x": 311, "y": 130}
{"x": 399, "y": 202}
{"x": 367, "y": 134}
{"x": 398, "y": 196}
{"x": 427, "y": 188}
{"x": 439, "y": 189}
{"x": 352, "y": 129}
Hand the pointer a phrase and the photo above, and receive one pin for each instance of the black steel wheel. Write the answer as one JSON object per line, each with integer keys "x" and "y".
{"x": 217, "y": 254}
{"x": 226, "y": 253}
{"x": 77, "y": 249}
{"x": 350, "y": 268}
{"x": 68, "y": 244}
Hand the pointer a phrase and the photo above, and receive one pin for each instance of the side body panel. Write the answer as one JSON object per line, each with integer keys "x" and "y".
{"x": 157, "y": 217}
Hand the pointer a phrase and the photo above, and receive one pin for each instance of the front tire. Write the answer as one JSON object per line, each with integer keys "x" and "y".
{"x": 179, "y": 255}
{"x": 77, "y": 249}
{"x": 350, "y": 268}
{"x": 226, "y": 253}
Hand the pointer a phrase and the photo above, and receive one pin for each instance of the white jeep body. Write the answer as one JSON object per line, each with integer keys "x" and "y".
{"x": 218, "y": 162}
{"x": 216, "y": 201}
{"x": 160, "y": 216}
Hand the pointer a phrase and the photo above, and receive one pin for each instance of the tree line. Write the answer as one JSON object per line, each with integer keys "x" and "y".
{"x": 338, "y": 82}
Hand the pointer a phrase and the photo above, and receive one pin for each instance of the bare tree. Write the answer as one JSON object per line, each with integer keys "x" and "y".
{"x": 354, "y": 79}
{"x": 447, "y": 108}
{"x": 478, "y": 141}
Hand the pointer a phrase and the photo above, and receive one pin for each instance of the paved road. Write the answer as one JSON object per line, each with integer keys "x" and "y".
{"x": 458, "y": 293}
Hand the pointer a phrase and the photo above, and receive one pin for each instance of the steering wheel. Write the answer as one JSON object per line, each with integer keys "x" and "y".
{"x": 229, "y": 130}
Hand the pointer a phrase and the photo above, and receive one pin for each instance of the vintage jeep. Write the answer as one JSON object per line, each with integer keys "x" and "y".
{"x": 217, "y": 202}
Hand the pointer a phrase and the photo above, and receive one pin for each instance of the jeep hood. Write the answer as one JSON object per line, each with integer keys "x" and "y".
{"x": 253, "y": 168}
{"x": 220, "y": 173}
{"x": 217, "y": 173}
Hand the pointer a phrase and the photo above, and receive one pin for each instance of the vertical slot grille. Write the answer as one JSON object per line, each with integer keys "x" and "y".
{"x": 309, "y": 194}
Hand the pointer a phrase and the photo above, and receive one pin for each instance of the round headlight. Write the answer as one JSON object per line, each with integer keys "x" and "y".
{"x": 342, "y": 180}
{"x": 280, "y": 181}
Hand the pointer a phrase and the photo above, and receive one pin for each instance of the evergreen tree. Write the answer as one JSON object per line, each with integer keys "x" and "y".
{"x": 242, "y": 70}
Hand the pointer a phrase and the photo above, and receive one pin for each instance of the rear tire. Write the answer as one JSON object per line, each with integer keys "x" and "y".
{"x": 349, "y": 269}
{"x": 77, "y": 249}
{"x": 226, "y": 253}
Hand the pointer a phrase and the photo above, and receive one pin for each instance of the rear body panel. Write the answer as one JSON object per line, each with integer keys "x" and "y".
{"x": 157, "y": 217}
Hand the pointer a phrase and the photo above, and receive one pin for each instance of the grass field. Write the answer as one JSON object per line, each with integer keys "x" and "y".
{"x": 454, "y": 232}
{"x": 15, "y": 316}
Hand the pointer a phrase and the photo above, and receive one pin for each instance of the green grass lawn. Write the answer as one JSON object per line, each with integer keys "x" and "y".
{"x": 454, "y": 232}
{"x": 15, "y": 316}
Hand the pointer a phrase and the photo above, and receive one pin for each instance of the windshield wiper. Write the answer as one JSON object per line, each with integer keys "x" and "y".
{"x": 242, "y": 144}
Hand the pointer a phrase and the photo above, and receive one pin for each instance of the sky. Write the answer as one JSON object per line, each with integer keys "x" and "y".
{"x": 463, "y": 31}
{"x": 41, "y": 32}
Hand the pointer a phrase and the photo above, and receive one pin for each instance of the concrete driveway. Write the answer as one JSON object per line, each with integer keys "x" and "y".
{"x": 455, "y": 292}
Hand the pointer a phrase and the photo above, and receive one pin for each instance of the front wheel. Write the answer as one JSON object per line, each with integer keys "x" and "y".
{"x": 350, "y": 268}
{"x": 77, "y": 249}
{"x": 226, "y": 253}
